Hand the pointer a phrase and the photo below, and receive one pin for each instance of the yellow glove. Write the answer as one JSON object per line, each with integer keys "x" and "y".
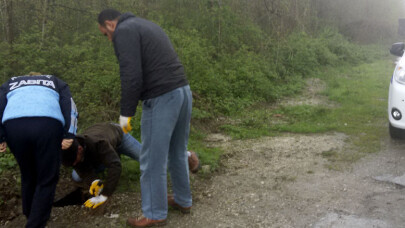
{"x": 95, "y": 201}
{"x": 125, "y": 123}
{"x": 96, "y": 187}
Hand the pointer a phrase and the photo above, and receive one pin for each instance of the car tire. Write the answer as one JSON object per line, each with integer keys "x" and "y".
{"x": 396, "y": 133}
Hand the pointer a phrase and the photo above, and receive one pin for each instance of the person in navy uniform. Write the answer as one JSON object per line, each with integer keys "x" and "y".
{"x": 37, "y": 113}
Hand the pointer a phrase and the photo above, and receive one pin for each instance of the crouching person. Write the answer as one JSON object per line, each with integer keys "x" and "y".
{"x": 99, "y": 149}
{"x": 96, "y": 150}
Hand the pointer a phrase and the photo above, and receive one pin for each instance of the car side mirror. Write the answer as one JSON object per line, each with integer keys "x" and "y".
{"x": 397, "y": 49}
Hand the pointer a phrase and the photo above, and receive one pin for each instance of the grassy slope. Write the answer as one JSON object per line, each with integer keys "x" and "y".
{"x": 360, "y": 97}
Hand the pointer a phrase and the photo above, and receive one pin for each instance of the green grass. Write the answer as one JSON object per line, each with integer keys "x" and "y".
{"x": 130, "y": 175}
{"x": 7, "y": 161}
{"x": 359, "y": 97}
{"x": 209, "y": 156}
{"x": 362, "y": 94}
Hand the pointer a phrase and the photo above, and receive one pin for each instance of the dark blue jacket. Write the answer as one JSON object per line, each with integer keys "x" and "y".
{"x": 149, "y": 66}
{"x": 38, "y": 96}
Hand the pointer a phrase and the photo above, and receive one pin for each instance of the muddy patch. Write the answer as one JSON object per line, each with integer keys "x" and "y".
{"x": 312, "y": 95}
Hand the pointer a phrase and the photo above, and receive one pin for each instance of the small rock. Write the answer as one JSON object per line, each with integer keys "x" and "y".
{"x": 206, "y": 168}
{"x": 112, "y": 216}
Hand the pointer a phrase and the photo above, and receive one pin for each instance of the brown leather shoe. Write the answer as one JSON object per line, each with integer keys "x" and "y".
{"x": 145, "y": 222}
{"x": 193, "y": 162}
{"x": 174, "y": 205}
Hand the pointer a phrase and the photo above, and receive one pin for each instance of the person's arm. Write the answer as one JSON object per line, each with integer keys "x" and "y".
{"x": 112, "y": 162}
{"x": 127, "y": 46}
{"x": 69, "y": 110}
{"x": 86, "y": 173}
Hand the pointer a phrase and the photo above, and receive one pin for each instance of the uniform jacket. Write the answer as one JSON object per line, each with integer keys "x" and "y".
{"x": 149, "y": 66}
{"x": 100, "y": 143}
{"x": 38, "y": 96}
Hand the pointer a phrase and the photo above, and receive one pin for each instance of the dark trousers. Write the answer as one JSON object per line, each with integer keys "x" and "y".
{"x": 36, "y": 145}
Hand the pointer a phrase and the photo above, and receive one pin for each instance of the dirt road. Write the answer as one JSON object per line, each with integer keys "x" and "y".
{"x": 282, "y": 182}
{"x": 278, "y": 182}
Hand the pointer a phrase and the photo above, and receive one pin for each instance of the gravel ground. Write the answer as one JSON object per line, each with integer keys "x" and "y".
{"x": 256, "y": 187}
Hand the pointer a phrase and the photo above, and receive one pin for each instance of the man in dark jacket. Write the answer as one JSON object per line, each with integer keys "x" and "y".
{"x": 151, "y": 71}
{"x": 98, "y": 149}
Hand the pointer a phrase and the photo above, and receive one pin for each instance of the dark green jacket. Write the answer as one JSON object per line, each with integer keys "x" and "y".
{"x": 100, "y": 142}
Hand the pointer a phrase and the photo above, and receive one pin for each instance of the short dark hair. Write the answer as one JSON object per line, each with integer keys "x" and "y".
{"x": 108, "y": 14}
{"x": 70, "y": 154}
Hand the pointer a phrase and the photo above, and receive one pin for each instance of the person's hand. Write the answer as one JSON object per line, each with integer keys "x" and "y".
{"x": 95, "y": 201}
{"x": 66, "y": 143}
{"x": 3, "y": 147}
{"x": 96, "y": 187}
{"x": 125, "y": 123}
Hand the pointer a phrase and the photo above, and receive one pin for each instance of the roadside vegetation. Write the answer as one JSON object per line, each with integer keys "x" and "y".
{"x": 356, "y": 99}
{"x": 240, "y": 56}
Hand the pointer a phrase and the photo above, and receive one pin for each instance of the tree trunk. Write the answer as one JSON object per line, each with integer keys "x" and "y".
{"x": 219, "y": 24}
{"x": 44, "y": 21}
{"x": 7, "y": 12}
{"x": 3, "y": 23}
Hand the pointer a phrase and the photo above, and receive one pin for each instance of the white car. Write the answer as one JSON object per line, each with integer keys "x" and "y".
{"x": 396, "y": 96}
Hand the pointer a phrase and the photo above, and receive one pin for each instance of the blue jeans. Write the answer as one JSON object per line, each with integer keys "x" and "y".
{"x": 129, "y": 147}
{"x": 165, "y": 127}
